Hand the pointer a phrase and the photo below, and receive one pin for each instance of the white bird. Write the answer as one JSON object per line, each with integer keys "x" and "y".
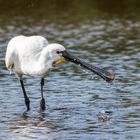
{"x": 34, "y": 56}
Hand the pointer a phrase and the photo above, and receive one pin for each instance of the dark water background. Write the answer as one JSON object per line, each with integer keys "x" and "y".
{"x": 105, "y": 33}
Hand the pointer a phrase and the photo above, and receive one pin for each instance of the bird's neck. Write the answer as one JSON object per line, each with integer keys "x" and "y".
{"x": 44, "y": 59}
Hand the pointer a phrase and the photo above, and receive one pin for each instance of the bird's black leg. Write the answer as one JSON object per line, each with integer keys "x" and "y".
{"x": 42, "y": 102}
{"x": 27, "y": 101}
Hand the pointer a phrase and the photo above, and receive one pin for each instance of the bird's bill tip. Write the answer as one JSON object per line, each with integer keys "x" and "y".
{"x": 109, "y": 78}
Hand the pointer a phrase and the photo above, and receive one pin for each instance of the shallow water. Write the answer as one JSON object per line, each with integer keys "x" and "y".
{"x": 75, "y": 97}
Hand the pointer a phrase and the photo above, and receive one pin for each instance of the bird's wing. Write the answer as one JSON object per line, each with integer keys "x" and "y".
{"x": 22, "y": 49}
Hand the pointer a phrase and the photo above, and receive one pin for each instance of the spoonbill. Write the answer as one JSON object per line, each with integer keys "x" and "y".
{"x": 34, "y": 56}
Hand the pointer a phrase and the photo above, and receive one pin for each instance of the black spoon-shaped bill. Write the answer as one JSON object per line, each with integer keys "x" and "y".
{"x": 107, "y": 76}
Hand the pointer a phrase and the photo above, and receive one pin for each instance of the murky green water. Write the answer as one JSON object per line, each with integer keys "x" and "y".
{"x": 104, "y": 33}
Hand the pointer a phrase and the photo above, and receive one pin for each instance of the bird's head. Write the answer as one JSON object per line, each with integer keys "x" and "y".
{"x": 59, "y": 55}
{"x": 55, "y": 54}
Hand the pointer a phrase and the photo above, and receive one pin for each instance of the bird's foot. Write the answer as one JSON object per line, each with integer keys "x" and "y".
{"x": 42, "y": 104}
{"x": 27, "y": 102}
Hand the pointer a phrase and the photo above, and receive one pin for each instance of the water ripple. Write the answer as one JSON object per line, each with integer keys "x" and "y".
{"x": 75, "y": 97}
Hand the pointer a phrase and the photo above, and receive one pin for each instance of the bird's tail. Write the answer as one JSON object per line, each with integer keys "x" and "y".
{"x": 9, "y": 62}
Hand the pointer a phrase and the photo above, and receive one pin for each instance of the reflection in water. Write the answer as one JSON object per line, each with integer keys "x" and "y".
{"x": 30, "y": 127}
{"x": 73, "y": 97}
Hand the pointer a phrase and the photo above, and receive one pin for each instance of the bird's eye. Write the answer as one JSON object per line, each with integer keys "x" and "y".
{"x": 58, "y": 52}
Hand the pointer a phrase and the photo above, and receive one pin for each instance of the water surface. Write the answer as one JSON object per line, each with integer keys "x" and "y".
{"x": 74, "y": 97}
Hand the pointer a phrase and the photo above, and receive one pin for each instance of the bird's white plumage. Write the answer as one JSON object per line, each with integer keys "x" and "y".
{"x": 31, "y": 55}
